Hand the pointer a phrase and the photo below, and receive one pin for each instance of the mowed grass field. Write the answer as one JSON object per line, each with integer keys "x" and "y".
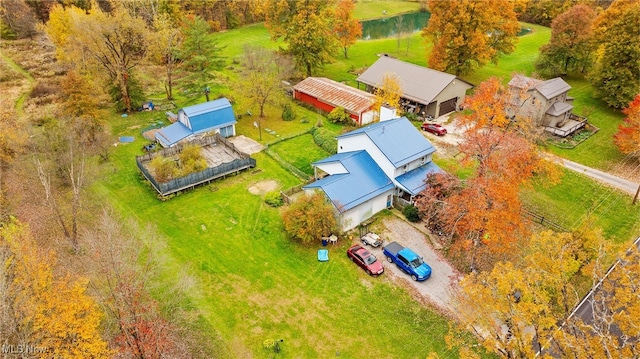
{"x": 251, "y": 282}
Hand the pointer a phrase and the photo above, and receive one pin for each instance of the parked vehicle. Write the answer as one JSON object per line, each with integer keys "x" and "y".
{"x": 434, "y": 128}
{"x": 407, "y": 260}
{"x": 371, "y": 239}
{"x": 365, "y": 259}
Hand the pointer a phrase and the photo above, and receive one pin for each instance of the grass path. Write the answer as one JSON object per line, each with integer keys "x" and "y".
{"x": 20, "y": 101}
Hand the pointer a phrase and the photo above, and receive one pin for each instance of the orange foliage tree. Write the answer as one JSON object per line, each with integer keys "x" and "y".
{"x": 469, "y": 33}
{"x": 52, "y": 313}
{"x": 309, "y": 218}
{"x": 347, "y": 28}
{"x": 628, "y": 137}
{"x": 484, "y": 212}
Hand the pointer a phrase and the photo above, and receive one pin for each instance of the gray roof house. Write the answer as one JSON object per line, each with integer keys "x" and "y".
{"x": 424, "y": 91}
{"x": 547, "y": 103}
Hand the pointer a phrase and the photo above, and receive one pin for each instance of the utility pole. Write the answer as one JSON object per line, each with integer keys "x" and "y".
{"x": 635, "y": 198}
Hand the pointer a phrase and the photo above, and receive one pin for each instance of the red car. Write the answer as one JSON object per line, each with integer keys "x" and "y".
{"x": 365, "y": 260}
{"x": 434, "y": 128}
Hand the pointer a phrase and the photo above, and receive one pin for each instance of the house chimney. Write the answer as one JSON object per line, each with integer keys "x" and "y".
{"x": 387, "y": 113}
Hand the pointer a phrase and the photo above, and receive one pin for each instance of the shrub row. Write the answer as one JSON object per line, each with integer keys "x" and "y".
{"x": 325, "y": 139}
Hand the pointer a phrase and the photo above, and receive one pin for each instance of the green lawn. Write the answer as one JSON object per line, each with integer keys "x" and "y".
{"x": 370, "y": 9}
{"x": 300, "y": 151}
{"x": 580, "y": 201}
{"x": 252, "y": 283}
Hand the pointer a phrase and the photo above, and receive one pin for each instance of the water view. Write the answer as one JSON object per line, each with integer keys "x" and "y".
{"x": 390, "y": 26}
{"x": 402, "y": 24}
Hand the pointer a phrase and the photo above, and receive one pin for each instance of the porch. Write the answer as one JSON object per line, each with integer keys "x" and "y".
{"x": 573, "y": 124}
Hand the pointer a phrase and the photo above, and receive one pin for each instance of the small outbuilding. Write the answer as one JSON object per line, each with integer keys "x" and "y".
{"x": 214, "y": 116}
{"x": 425, "y": 91}
{"x": 327, "y": 94}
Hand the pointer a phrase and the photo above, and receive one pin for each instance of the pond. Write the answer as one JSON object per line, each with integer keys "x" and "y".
{"x": 389, "y": 26}
{"x": 402, "y": 24}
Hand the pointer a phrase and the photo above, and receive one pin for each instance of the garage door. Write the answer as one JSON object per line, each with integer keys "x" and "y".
{"x": 448, "y": 106}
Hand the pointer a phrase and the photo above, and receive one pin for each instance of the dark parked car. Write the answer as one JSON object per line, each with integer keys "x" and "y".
{"x": 434, "y": 128}
{"x": 365, "y": 260}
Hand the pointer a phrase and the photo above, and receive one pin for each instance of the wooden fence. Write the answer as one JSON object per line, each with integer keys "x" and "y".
{"x": 540, "y": 219}
{"x": 194, "y": 179}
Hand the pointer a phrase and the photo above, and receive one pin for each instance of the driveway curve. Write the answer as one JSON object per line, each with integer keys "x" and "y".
{"x": 438, "y": 290}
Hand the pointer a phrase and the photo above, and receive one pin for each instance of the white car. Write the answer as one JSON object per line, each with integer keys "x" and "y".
{"x": 371, "y": 239}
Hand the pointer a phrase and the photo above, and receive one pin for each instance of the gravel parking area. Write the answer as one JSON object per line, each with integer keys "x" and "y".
{"x": 437, "y": 290}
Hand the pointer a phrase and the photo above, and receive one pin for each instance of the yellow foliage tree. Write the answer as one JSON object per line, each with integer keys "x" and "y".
{"x": 53, "y": 313}
{"x": 388, "y": 92}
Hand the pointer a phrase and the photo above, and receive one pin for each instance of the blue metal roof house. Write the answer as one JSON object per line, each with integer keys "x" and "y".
{"x": 373, "y": 165}
{"x": 216, "y": 116}
{"x": 357, "y": 187}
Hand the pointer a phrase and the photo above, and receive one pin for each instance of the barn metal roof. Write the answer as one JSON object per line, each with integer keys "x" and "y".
{"x": 363, "y": 181}
{"x": 210, "y": 115}
{"x": 418, "y": 83}
{"x": 336, "y": 94}
{"x": 397, "y": 139}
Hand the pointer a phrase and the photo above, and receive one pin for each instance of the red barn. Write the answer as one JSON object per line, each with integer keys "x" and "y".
{"x": 327, "y": 94}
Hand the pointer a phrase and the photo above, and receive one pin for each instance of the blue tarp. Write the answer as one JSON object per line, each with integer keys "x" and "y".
{"x": 126, "y": 139}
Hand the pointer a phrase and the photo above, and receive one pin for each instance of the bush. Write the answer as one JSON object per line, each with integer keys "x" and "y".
{"x": 44, "y": 89}
{"x": 340, "y": 116}
{"x": 411, "y": 213}
{"x": 325, "y": 139}
{"x": 163, "y": 168}
{"x": 287, "y": 113}
{"x": 274, "y": 199}
{"x": 191, "y": 160}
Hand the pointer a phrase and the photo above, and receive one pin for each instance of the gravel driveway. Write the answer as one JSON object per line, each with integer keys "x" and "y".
{"x": 436, "y": 290}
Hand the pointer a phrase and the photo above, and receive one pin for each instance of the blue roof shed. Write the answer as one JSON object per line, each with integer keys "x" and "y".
{"x": 207, "y": 116}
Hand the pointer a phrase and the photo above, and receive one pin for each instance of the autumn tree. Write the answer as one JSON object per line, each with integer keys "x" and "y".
{"x": 124, "y": 268}
{"x": 628, "y": 137}
{"x": 12, "y": 139}
{"x": 51, "y": 312}
{"x": 262, "y": 74}
{"x": 485, "y": 212}
{"x": 572, "y": 44}
{"x": 468, "y": 34}
{"x": 61, "y": 164}
{"x": 310, "y": 218}
{"x": 543, "y": 12}
{"x": 347, "y": 28}
{"x": 612, "y": 327}
{"x": 110, "y": 45}
{"x": 515, "y": 307}
{"x": 167, "y": 40}
{"x": 615, "y": 74}
{"x": 17, "y": 19}
{"x": 306, "y": 27}
{"x": 388, "y": 92}
{"x": 201, "y": 57}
